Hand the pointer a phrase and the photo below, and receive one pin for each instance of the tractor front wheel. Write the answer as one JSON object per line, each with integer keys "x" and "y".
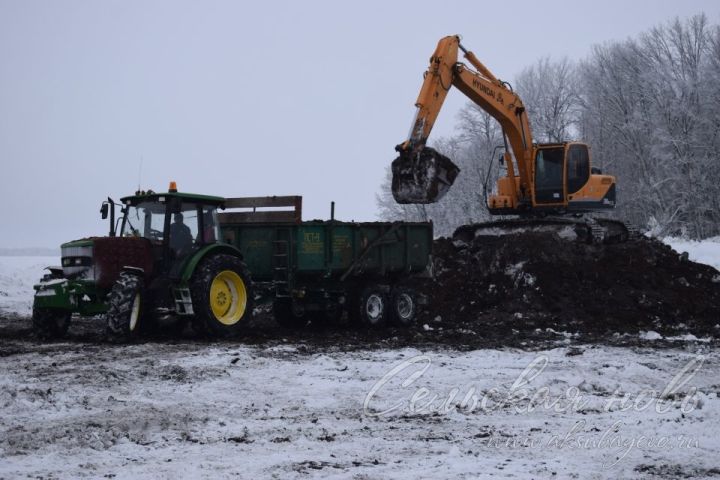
{"x": 49, "y": 323}
{"x": 126, "y": 307}
{"x": 222, "y": 296}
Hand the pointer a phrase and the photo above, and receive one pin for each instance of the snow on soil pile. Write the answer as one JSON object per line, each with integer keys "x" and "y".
{"x": 17, "y": 276}
{"x": 705, "y": 251}
{"x": 539, "y": 280}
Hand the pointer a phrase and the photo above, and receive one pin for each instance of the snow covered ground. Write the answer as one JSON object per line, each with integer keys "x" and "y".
{"x": 17, "y": 276}
{"x": 706, "y": 251}
{"x": 226, "y": 410}
{"x": 297, "y": 409}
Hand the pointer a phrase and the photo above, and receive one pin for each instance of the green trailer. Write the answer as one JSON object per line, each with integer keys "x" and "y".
{"x": 314, "y": 271}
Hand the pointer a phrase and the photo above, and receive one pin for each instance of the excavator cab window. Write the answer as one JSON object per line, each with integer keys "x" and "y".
{"x": 578, "y": 167}
{"x": 549, "y": 175}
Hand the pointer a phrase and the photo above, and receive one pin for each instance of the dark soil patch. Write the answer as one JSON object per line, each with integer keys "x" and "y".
{"x": 535, "y": 280}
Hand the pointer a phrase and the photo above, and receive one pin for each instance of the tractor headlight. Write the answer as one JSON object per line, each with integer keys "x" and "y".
{"x": 78, "y": 262}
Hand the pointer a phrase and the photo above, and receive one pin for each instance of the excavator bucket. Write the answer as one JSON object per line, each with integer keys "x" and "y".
{"x": 424, "y": 177}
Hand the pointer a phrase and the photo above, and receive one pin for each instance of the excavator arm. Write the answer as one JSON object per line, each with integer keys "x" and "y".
{"x": 423, "y": 175}
{"x": 541, "y": 179}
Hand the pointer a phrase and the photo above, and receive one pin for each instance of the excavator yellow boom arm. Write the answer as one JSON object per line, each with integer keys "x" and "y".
{"x": 482, "y": 88}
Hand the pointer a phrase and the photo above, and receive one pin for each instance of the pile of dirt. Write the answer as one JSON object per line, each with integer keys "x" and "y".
{"x": 541, "y": 280}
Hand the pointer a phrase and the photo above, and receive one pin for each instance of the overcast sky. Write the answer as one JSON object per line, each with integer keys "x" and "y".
{"x": 246, "y": 98}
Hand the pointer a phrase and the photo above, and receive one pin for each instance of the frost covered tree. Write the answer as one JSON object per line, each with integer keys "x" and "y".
{"x": 650, "y": 111}
{"x": 549, "y": 92}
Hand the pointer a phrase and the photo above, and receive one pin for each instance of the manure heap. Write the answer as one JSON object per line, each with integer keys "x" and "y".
{"x": 530, "y": 280}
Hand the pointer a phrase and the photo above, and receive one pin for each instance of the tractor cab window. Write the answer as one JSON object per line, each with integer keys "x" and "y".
{"x": 210, "y": 225}
{"x": 146, "y": 219}
{"x": 184, "y": 226}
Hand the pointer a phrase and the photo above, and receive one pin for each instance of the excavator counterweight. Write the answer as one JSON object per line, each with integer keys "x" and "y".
{"x": 422, "y": 177}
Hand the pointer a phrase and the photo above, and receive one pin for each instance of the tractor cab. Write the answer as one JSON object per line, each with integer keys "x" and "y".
{"x": 176, "y": 224}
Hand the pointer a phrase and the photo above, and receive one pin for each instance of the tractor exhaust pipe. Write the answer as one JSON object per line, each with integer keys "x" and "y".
{"x": 424, "y": 176}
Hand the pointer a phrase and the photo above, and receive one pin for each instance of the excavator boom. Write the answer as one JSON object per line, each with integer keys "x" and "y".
{"x": 423, "y": 175}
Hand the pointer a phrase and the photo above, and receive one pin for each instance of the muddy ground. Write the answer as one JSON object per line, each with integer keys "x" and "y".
{"x": 309, "y": 406}
{"x": 532, "y": 290}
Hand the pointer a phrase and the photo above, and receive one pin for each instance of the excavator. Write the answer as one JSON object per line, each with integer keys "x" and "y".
{"x": 546, "y": 185}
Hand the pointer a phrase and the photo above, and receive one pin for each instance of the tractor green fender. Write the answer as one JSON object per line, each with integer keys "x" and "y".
{"x": 200, "y": 255}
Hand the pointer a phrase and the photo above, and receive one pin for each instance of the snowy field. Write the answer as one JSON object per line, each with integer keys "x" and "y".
{"x": 232, "y": 411}
{"x": 301, "y": 409}
{"x": 17, "y": 276}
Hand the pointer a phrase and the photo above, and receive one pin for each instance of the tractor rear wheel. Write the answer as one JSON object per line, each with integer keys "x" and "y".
{"x": 49, "y": 323}
{"x": 126, "y": 310}
{"x": 222, "y": 296}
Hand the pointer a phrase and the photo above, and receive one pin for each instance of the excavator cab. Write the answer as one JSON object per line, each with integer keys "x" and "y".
{"x": 564, "y": 178}
{"x": 422, "y": 176}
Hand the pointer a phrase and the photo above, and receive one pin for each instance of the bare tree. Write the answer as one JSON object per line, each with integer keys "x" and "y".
{"x": 649, "y": 106}
{"x": 549, "y": 92}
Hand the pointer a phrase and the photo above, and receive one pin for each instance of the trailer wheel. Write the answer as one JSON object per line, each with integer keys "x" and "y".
{"x": 373, "y": 308}
{"x": 221, "y": 291}
{"x": 288, "y": 316}
{"x": 49, "y": 323}
{"x": 126, "y": 307}
{"x": 404, "y": 306}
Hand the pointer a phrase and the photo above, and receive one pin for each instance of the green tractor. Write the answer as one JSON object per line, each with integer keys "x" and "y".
{"x": 164, "y": 262}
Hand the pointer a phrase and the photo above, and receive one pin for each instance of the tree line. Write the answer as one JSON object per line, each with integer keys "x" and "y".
{"x": 649, "y": 107}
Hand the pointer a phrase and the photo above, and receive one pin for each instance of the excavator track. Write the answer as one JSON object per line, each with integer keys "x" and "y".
{"x": 586, "y": 229}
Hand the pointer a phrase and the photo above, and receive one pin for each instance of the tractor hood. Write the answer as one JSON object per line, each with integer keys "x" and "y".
{"x": 100, "y": 259}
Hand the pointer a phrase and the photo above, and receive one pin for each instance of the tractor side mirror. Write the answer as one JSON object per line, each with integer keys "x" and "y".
{"x": 104, "y": 210}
